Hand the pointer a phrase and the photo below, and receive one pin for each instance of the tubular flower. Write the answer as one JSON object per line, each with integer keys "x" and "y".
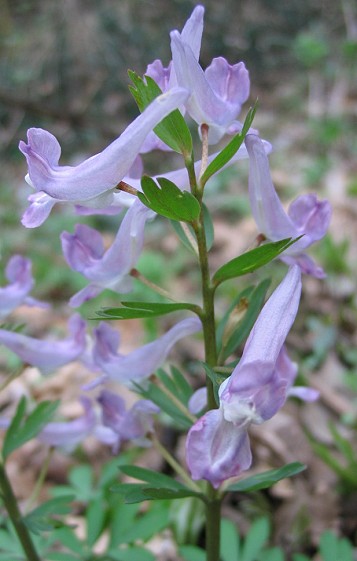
{"x": 142, "y": 362}
{"x": 18, "y": 273}
{"x": 48, "y": 355}
{"x": 307, "y": 216}
{"x": 217, "y": 445}
{"x": 217, "y": 94}
{"x": 133, "y": 424}
{"x": 165, "y": 77}
{"x": 92, "y": 182}
{"x": 84, "y": 252}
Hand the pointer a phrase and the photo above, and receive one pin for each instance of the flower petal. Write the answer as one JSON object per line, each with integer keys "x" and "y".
{"x": 258, "y": 385}
{"x": 142, "y": 362}
{"x": 267, "y": 209}
{"x": 84, "y": 252}
{"x": 68, "y": 435}
{"x": 48, "y": 355}
{"x": 216, "y": 449}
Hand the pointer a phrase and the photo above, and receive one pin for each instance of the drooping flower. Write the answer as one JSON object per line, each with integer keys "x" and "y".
{"x": 140, "y": 363}
{"x": 16, "y": 293}
{"x": 92, "y": 182}
{"x": 84, "y": 252}
{"x": 306, "y": 216}
{"x": 218, "y": 444}
{"x": 48, "y": 355}
{"x": 127, "y": 424}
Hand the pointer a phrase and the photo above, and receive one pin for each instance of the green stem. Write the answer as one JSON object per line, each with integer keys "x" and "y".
{"x": 213, "y": 504}
{"x": 14, "y": 513}
{"x": 213, "y": 529}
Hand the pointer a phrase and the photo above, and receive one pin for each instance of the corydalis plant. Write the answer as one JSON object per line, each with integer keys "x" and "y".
{"x": 217, "y": 445}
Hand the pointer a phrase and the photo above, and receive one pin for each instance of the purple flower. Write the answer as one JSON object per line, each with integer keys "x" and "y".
{"x": 218, "y": 444}
{"x": 133, "y": 424}
{"x": 84, "y": 252}
{"x": 142, "y": 362}
{"x": 306, "y": 215}
{"x": 48, "y": 355}
{"x": 94, "y": 180}
{"x": 217, "y": 94}
{"x": 165, "y": 77}
{"x": 18, "y": 273}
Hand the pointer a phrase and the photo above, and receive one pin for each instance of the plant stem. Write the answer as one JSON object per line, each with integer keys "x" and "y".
{"x": 213, "y": 504}
{"x": 14, "y": 513}
{"x": 213, "y": 529}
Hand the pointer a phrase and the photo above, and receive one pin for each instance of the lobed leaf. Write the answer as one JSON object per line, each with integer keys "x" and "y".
{"x": 168, "y": 200}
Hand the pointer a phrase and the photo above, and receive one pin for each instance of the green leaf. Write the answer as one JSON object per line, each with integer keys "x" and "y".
{"x": 267, "y": 478}
{"x": 183, "y": 387}
{"x": 230, "y": 150}
{"x": 172, "y": 130}
{"x": 24, "y": 428}
{"x": 160, "y": 398}
{"x": 152, "y": 477}
{"x": 131, "y": 310}
{"x": 272, "y": 554}
{"x": 252, "y": 260}
{"x": 169, "y": 200}
{"x": 134, "y": 553}
{"x": 255, "y": 300}
{"x": 95, "y": 520}
{"x": 40, "y": 519}
{"x": 333, "y": 548}
{"x": 192, "y": 553}
{"x": 229, "y": 541}
{"x": 256, "y": 538}
{"x": 137, "y": 492}
{"x": 171, "y": 494}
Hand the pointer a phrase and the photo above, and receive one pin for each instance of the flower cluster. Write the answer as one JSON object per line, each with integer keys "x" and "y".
{"x": 218, "y": 445}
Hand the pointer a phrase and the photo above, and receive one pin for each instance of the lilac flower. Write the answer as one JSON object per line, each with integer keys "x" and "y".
{"x": 84, "y": 252}
{"x": 18, "y": 273}
{"x": 94, "y": 180}
{"x": 306, "y": 215}
{"x": 217, "y": 94}
{"x": 142, "y": 362}
{"x": 48, "y": 355}
{"x": 165, "y": 77}
{"x": 218, "y": 444}
{"x": 198, "y": 401}
{"x": 133, "y": 424}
